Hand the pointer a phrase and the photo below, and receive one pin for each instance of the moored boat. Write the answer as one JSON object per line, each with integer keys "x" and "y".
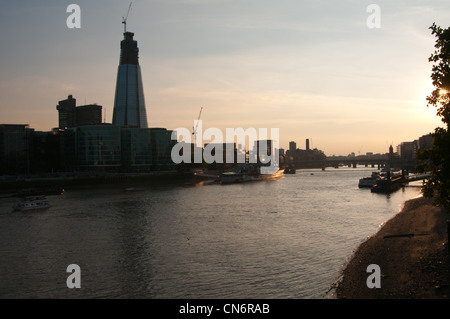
{"x": 369, "y": 181}
{"x": 387, "y": 186}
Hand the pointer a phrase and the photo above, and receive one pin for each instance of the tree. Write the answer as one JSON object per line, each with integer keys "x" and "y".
{"x": 437, "y": 158}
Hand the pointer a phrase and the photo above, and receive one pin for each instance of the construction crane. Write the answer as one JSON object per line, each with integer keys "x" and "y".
{"x": 196, "y": 126}
{"x": 124, "y": 19}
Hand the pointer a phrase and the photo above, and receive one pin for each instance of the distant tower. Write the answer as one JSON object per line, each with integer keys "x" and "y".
{"x": 67, "y": 112}
{"x": 129, "y": 104}
{"x": 292, "y": 147}
{"x": 391, "y": 152}
{"x": 307, "y": 144}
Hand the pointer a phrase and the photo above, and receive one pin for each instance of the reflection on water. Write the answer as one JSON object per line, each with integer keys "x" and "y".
{"x": 277, "y": 239}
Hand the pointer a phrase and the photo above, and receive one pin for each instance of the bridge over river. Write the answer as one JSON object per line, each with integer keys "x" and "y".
{"x": 408, "y": 165}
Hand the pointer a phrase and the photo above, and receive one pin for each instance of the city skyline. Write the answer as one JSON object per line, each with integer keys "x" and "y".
{"x": 313, "y": 70}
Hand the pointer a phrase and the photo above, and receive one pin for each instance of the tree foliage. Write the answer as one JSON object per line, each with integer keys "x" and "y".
{"x": 437, "y": 158}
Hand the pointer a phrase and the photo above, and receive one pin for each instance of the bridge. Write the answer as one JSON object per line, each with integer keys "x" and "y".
{"x": 409, "y": 165}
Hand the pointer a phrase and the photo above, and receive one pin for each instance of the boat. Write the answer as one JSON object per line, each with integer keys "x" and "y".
{"x": 387, "y": 185}
{"x": 390, "y": 172}
{"x": 369, "y": 181}
{"x": 248, "y": 173}
{"x": 32, "y": 203}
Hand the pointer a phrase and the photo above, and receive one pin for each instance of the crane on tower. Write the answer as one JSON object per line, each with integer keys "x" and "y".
{"x": 194, "y": 129}
{"x": 124, "y": 19}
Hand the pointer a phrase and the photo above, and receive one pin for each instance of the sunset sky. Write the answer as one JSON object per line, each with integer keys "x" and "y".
{"x": 313, "y": 69}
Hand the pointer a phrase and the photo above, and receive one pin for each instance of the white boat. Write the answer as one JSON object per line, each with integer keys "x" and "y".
{"x": 248, "y": 173}
{"x": 32, "y": 203}
{"x": 369, "y": 181}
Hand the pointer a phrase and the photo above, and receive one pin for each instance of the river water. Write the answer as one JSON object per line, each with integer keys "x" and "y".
{"x": 283, "y": 239}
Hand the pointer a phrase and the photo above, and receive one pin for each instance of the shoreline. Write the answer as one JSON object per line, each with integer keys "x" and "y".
{"x": 411, "y": 249}
{"x": 14, "y": 184}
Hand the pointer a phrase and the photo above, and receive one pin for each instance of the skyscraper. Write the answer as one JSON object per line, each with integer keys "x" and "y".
{"x": 129, "y": 104}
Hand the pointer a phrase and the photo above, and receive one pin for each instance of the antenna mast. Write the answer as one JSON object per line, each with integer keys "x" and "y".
{"x": 124, "y": 19}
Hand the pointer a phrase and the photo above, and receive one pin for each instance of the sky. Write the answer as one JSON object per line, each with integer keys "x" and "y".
{"x": 312, "y": 69}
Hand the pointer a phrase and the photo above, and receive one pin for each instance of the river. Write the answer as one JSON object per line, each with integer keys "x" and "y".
{"x": 283, "y": 239}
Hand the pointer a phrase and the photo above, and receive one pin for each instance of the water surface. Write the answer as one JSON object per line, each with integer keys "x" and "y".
{"x": 275, "y": 239}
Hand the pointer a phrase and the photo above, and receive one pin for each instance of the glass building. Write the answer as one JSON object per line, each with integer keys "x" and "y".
{"x": 136, "y": 148}
{"x": 162, "y": 145}
{"x": 98, "y": 147}
{"x": 129, "y": 104}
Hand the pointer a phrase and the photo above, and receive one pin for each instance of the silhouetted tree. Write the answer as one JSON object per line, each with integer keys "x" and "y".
{"x": 437, "y": 158}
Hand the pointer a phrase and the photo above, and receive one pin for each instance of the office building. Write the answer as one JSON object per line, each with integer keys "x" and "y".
{"x": 162, "y": 145}
{"x": 89, "y": 115}
{"x": 426, "y": 141}
{"x": 45, "y": 151}
{"x": 66, "y": 112}
{"x": 71, "y": 115}
{"x": 15, "y": 148}
{"x": 407, "y": 150}
{"x": 98, "y": 147}
{"x": 68, "y": 149}
{"x": 136, "y": 148}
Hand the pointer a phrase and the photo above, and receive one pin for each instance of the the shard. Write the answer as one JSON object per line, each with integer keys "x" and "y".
{"x": 129, "y": 103}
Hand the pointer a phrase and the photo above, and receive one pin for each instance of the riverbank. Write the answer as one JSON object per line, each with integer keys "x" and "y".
{"x": 13, "y": 184}
{"x": 412, "y": 252}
